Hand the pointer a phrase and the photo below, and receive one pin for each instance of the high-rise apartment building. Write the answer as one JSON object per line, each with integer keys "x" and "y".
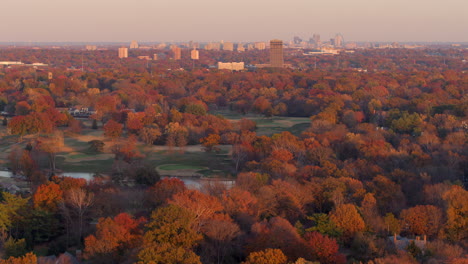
{"x": 194, "y": 54}
{"x": 177, "y": 52}
{"x": 123, "y": 52}
{"x": 134, "y": 44}
{"x": 240, "y": 47}
{"x": 213, "y": 46}
{"x": 229, "y": 46}
{"x": 260, "y": 45}
{"x": 276, "y": 53}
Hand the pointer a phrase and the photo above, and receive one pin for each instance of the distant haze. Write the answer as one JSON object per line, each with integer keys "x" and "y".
{"x": 235, "y": 20}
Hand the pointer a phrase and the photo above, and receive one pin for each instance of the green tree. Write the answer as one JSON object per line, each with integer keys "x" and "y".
{"x": 15, "y": 248}
{"x": 13, "y": 209}
{"x": 195, "y": 109}
{"x": 323, "y": 225}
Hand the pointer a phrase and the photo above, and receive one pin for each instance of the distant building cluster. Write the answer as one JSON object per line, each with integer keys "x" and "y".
{"x": 316, "y": 42}
{"x": 134, "y": 45}
{"x": 19, "y": 63}
{"x": 91, "y": 47}
{"x": 312, "y": 47}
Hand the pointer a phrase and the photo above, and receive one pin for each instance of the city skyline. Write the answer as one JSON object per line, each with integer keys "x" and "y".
{"x": 209, "y": 20}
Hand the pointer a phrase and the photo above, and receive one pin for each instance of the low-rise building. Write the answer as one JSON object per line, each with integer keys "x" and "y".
{"x": 233, "y": 66}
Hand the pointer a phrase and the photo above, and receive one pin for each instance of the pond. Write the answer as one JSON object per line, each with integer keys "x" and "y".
{"x": 196, "y": 183}
{"x": 85, "y": 175}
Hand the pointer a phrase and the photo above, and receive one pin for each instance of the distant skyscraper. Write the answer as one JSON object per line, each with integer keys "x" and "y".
{"x": 240, "y": 47}
{"x": 276, "y": 53}
{"x": 297, "y": 40}
{"x": 229, "y": 46}
{"x": 155, "y": 56}
{"x": 316, "y": 40}
{"x": 194, "y": 54}
{"x": 134, "y": 44}
{"x": 123, "y": 52}
{"x": 339, "y": 41}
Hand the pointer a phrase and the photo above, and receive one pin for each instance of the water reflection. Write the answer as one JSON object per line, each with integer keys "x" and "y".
{"x": 191, "y": 182}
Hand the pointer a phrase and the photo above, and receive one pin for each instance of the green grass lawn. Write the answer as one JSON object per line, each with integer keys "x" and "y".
{"x": 270, "y": 126}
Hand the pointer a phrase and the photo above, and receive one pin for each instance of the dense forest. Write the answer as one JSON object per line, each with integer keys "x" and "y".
{"x": 377, "y": 175}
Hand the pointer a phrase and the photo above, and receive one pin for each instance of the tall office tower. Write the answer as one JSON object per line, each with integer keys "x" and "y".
{"x": 134, "y": 44}
{"x": 123, "y": 52}
{"x": 260, "y": 45}
{"x": 276, "y": 53}
{"x": 229, "y": 46}
{"x": 177, "y": 52}
{"x": 316, "y": 39}
{"x": 194, "y": 54}
{"x": 297, "y": 40}
{"x": 339, "y": 41}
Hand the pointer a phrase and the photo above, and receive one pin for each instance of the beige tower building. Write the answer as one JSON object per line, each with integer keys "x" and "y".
{"x": 177, "y": 52}
{"x": 260, "y": 45}
{"x": 123, "y": 52}
{"x": 229, "y": 46}
{"x": 276, "y": 53}
{"x": 194, "y": 54}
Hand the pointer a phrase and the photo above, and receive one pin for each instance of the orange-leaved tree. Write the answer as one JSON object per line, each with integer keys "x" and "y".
{"x": 113, "y": 237}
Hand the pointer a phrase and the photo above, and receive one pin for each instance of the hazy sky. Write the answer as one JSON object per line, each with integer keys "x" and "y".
{"x": 234, "y": 20}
